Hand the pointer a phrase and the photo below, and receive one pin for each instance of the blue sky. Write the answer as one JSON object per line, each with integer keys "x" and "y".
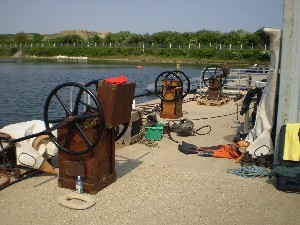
{"x": 138, "y": 16}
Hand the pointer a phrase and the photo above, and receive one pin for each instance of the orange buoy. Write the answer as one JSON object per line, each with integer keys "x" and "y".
{"x": 139, "y": 67}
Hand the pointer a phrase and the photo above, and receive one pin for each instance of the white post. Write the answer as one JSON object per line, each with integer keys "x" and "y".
{"x": 265, "y": 47}
{"x": 74, "y": 45}
{"x": 230, "y": 46}
{"x": 189, "y": 45}
{"x": 241, "y": 46}
{"x": 170, "y": 45}
{"x": 199, "y": 45}
{"x": 210, "y": 45}
{"x": 220, "y": 46}
{"x": 143, "y": 47}
{"x": 110, "y": 45}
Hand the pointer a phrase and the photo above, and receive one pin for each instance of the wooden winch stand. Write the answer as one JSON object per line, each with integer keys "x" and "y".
{"x": 214, "y": 89}
{"x": 96, "y": 168}
{"x": 171, "y": 105}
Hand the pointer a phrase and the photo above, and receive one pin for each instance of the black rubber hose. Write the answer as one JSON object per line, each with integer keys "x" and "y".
{"x": 25, "y": 176}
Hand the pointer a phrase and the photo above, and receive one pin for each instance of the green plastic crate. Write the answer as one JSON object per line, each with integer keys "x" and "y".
{"x": 155, "y": 132}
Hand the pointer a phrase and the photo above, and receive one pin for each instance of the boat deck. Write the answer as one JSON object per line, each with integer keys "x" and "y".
{"x": 160, "y": 185}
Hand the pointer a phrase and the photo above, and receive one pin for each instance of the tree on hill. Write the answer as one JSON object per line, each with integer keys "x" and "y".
{"x": 67, "y": 39}
{"x": 37, "y": 38}
{"x": 21, "y": 38}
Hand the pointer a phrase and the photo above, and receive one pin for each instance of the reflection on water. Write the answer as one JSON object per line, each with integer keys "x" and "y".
{"x": 25, "y": 84}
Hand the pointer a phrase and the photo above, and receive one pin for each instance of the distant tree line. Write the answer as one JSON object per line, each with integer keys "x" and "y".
{"x": 203, "y": 44}
{"x": 164, "y": 38}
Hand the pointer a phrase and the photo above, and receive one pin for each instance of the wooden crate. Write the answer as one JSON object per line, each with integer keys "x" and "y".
{"x": 116, "y": 101}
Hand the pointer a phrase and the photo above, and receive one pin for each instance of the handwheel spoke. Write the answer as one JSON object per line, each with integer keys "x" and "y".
{"x": 83, "y": 135}
{"x": 87, "y": 105}
{"x": 63, "y": 104}
{"x": 210, "y": 73}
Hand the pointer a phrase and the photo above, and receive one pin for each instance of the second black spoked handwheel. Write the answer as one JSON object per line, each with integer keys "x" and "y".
{"x": 212, "y": 72}
{"x": 164, "y": 86}
{"x": 75, "y": 109}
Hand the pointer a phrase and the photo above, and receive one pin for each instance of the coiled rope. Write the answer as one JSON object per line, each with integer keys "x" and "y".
{"x": 250, "y": 171}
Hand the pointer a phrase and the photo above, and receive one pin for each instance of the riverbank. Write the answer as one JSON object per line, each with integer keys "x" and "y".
{"x": 160, "y": 185}
{"x": 146, "y": 60}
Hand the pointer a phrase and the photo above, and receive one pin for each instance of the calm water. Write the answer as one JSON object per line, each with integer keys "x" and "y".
{"x": 25, "y": 84}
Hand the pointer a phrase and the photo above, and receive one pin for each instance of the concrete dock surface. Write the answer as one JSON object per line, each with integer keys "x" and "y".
{"x": 160, "y": 185}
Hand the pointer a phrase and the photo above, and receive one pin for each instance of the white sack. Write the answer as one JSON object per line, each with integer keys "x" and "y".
{"x": 26, "y": 155}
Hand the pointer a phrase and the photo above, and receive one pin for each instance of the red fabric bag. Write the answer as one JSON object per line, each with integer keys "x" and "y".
{"x": 117, "y": 80}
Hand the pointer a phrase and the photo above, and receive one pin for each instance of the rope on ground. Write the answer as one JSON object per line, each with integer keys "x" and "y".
{"x": 148, "y": 142}
{"x": 250, "y": 171}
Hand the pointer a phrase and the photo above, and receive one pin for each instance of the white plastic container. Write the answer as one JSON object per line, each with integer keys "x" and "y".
{"x": 79, "y": 185}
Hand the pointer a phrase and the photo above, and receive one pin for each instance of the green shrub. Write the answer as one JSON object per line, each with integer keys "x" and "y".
{"x": 193, "y": 53}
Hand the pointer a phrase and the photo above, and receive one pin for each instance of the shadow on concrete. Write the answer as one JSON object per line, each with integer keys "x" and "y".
{"x": 125, "y": 165}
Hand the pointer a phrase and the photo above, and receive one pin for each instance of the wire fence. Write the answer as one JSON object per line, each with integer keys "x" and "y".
{"x": 21, "y": 46}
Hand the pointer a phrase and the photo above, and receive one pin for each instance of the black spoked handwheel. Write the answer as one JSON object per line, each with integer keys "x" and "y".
{"x": 163, "y": 90}
{"x": 93, "y": 85}
{"x": 213, "y": 71}
{"x": 185, "y": 81}
{"x": 74, "y": 108}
